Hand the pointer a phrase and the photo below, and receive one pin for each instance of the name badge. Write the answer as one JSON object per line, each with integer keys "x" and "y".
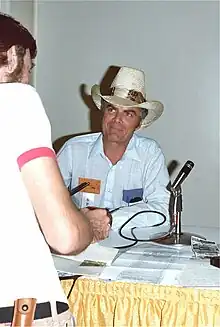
{"x": 93, "y": 187}
{"x": 134, "y": 195}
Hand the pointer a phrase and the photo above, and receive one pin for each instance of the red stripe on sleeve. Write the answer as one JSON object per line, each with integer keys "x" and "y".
{"x": 33, "y": 154}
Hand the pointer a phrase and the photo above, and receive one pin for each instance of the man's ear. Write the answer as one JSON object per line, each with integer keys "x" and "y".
{"x": 12, "y": 60}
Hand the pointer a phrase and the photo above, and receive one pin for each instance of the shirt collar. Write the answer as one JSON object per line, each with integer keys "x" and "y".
{"x": 131, "y": 151}
{"x": 97, "y": 147}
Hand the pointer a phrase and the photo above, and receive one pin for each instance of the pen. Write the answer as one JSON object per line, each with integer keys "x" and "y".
{"x": 79, "y": 188}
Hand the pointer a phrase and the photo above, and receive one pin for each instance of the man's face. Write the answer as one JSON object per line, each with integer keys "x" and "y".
{"x": 119, "y": 123}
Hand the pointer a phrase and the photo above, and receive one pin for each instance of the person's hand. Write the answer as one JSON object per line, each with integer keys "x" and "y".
{"x": 100, "y": 222}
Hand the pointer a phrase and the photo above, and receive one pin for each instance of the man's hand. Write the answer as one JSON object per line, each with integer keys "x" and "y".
{"x": 100, "y": 222}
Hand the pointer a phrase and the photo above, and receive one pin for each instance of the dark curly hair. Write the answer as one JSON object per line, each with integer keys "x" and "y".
{"x": 13, "y": 33}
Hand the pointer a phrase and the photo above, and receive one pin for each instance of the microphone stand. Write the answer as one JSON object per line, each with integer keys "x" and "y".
{"x": 177, "y": 237}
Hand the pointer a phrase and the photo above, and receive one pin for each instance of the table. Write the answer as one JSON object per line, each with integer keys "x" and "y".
{"x": 96, "y": 303}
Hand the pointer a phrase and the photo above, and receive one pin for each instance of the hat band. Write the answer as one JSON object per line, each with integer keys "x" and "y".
{"x": 132, "y": 95}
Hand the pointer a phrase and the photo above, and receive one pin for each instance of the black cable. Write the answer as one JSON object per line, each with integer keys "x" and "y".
{"x": 75, "y": 277}
{"x": 135, "y": 239}
{"x": 130, "y": 245}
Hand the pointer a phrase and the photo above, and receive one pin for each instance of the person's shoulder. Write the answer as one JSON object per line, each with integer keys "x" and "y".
{"x": 145, "y": 142}
{"x": 79, "y": 143}
{"x": 19, "y": 89}
{"x": 21, "y": 95}
{"x": 83, "y": 139}
{"x": 148, "y": 148}
{"x": 22, "y": 99}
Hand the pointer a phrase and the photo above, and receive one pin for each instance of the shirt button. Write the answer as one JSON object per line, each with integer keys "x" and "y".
{"x": 110, "y": 191}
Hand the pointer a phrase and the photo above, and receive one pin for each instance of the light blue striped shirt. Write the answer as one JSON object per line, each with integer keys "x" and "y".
{"x": 141, "y": 172}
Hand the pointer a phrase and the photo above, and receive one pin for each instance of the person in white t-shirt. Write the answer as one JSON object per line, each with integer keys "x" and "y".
{"x": 36, "y": 211}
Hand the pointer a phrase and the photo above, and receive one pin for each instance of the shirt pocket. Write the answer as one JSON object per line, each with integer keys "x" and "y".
{"x": 132, "y": 195}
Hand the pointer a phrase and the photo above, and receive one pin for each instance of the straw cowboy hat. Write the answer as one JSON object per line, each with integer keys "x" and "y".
{"x": 128, "y": 90}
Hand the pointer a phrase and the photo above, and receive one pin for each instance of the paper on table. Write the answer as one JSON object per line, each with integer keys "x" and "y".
{"x": 194, "y": 274}
{"x": 204, "y": 248}
{"x": 161, "y": 249}
{"x": 154, "y": 276}
{"x": 150, "y": 261}
{"x": 67, "y": 267}
{"x": 64, "y": 274}
{"x": 199, "y": 273}
{"x": 95, "y": 252}
{"x": 151, "y": 256}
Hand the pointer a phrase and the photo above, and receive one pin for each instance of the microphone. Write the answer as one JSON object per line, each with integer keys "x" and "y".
{"x": 184, "y": 172}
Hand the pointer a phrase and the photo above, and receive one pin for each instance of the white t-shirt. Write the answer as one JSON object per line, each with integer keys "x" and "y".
{"x": 27, "y": 268}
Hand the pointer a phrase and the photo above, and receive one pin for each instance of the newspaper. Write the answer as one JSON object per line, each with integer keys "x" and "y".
{"x": 204, "y": 248}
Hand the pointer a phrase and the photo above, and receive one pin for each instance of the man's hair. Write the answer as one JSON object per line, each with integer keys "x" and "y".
{"x": 144, "y": 112}
{"x": 12, "y": 33}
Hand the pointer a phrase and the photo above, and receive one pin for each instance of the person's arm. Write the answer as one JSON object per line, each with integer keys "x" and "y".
{"x": 155, "y": 194}
{"x": 156, "y": 178}
{"x": 65, "y": 229}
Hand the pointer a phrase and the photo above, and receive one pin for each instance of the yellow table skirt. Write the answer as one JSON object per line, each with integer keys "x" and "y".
{"x": 96, "y": 303}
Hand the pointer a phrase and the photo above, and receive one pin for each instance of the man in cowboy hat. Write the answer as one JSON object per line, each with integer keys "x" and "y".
{"x": 121, "y": 166}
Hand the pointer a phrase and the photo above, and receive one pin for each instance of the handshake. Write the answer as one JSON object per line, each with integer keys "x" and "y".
{"x": 100, "y": 220}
